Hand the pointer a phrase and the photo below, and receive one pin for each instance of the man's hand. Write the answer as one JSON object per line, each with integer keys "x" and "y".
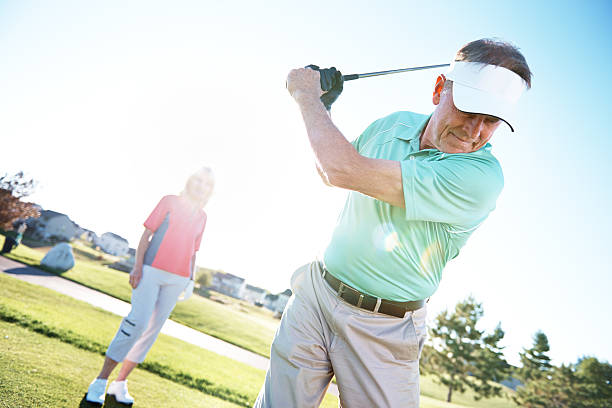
{"x": 332, "y": 84}
{"x": 301, "y": 82}
{"x": 135, "y": 276}
{"x": 304, "y": 84}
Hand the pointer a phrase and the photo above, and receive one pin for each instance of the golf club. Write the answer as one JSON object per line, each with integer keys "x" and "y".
{"x": 392, "y": 71}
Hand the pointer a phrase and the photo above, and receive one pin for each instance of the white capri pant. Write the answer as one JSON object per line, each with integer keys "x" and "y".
{"x": 152, "y": 302}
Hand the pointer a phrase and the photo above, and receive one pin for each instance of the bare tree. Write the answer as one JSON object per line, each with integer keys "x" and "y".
{"x": 12, "y": 208}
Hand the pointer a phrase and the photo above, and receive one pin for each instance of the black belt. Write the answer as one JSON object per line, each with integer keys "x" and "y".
{"x": 371, "y": 303}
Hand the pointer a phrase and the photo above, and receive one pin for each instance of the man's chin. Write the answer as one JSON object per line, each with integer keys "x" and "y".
{"x": 455, "y": 150}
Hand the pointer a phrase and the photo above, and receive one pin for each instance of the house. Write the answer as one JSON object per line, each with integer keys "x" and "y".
{"x": 88, "y": 235}
{"x": 228, "y": 284}
{"x": 254, "y": 294}
{"x": 277, "y": 302}
{"x": 52, "y": 225}
{"x": 512, "y": 382}
{"x": 114, "y": 244}
{"x": 125, "y": 264}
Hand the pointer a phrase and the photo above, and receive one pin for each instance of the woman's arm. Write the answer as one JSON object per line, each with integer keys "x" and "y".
{"x": 193, "y": 267}
{"x": 143, "y": 245}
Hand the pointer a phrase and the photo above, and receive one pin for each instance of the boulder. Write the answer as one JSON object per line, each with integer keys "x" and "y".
{"x": 59, "y": 258}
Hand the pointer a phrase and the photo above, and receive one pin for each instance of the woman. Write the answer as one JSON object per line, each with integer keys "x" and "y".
{"x": 164, "y": 268}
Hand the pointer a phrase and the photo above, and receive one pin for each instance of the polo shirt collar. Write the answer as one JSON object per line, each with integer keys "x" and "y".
{"x": 414, "y": 137}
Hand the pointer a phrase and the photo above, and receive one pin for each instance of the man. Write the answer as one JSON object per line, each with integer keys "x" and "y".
{"x": 12, "y": 239}
{"x": 420, "y": 186}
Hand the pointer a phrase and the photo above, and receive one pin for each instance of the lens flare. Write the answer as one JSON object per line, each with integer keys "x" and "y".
{"x": 385, "y": 238}
{"x": 391, "y": 241}
{"x": 430, "y": 257}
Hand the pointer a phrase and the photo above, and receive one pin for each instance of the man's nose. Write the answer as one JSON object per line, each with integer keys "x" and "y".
{"x": 473, "y": 126}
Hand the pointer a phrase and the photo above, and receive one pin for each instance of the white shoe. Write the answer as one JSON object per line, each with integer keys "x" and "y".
{"x": 96, "y": 391}
{"x": 119, "y": 390}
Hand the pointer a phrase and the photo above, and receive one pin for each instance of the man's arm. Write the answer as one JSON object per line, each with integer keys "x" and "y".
{"x": 338, "y": 163}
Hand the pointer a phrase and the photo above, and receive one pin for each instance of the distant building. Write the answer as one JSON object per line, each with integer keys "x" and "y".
{"x": 89, "y": 236}
{"x": 113, "y": 244}
{"x": 130, "y": 259}
{"x": 126, "y": 264}
{"x": 254, "y": 294}
{"x": 52, "y": 225}
{"x": 228, "y": 284}
{"x": 277, "y": 302}
{"x": 511, "y": 383}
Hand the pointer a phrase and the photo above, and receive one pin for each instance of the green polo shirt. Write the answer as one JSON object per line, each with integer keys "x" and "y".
{"x": 399, "y": 254}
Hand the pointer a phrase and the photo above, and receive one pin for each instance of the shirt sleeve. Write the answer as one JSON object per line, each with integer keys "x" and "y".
{"x": 158, "y": 214}
{"x": 198, "y": 240}
{"x": 457, "y": 189}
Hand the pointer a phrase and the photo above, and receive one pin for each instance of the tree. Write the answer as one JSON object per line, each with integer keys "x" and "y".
{"x": 12, "y": 189}
{"x": 535, "y": 362}
{"x": 535, "y": 372}
{"x": 203, "y": 277}
{"x": 595, "y": 382}
{"x": 425, "y": 361}
{"x": 554, "y": 390}
{"x": 586, "y": 384}
{"x": 463, "y": 356}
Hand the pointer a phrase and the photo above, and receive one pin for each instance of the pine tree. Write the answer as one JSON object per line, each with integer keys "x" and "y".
{"x": 595, "y": 382}
{"x": 586, "y": 384}
{"x": 535, "y": 362}
{"x": 462, "y": 356}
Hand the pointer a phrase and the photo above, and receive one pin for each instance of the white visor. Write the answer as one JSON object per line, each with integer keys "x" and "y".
{"x": 486, "y": 89}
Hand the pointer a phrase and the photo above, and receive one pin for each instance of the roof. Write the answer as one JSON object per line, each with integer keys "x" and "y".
{"x": 112, "y": 234}
{"x": 254, "y": 289}
{"x": 225, "y": 275}
{"x": 51, "y": 214}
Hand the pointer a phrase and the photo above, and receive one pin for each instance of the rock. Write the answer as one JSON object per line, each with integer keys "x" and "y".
{"x": 59, "y": 258}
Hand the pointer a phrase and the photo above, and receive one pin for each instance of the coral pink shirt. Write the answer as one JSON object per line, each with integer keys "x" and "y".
{"x": 177, "y": 235}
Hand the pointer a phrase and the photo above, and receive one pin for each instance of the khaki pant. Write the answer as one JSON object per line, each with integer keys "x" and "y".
{"x": 375, "y": 357}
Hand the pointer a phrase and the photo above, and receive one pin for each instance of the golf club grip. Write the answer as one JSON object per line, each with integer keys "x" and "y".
{"x": 350, "y": 77}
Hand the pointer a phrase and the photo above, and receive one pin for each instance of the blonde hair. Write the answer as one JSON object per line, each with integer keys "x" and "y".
{"x": 203, "y": 170}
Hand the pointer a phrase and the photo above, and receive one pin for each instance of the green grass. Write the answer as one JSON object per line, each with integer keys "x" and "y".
{"x": 89, "y": 328}
{"x": 38, "y": 371}
{"x": 235, "y": 322}
{"x": 83, "y": 250}
{"x": 238, "y": 323}
{"x": 438, "y": 392}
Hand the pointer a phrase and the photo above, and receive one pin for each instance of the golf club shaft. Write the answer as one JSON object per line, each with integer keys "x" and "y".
{"x": 392, "y": 71}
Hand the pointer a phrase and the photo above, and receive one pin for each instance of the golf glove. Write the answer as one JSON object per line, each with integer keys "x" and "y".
{"x": 331, "y": 83}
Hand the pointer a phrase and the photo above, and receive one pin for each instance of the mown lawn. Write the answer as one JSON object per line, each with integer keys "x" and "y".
{"x": 38, "y": 371}
{"x": 438, "y": 392}
{"x": 235, "y": 322}
{"x": 90, "y": 328}
{"x": 238, "y": 323}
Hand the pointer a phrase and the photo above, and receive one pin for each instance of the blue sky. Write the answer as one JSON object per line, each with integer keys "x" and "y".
{"x": 112, "y": 104}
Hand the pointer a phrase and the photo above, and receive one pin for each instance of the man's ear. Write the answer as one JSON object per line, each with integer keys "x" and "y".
{"x": 438, "y": 89}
